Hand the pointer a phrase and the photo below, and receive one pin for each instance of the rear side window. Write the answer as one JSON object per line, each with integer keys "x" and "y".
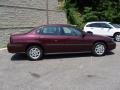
{"x": 93, "y": 25}
{"x": 50, "y": 30}
{"x": 99, "y": 25}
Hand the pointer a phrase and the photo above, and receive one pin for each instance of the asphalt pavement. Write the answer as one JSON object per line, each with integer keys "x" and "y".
{"x": 60, "y": 72}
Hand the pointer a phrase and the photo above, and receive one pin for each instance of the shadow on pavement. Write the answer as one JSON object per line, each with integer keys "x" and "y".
{"x": 22, "y": 57}
{"x": 19, "y": 57}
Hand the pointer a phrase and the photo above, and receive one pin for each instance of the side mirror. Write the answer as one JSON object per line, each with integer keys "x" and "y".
{"x": 110, "y": 27}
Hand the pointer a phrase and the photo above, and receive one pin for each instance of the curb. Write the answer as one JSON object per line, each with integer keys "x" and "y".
{"x": 2, "y": 49}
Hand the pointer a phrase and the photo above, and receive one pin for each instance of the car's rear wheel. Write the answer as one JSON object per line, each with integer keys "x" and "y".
{"x": 99, "y": 49}
{"x": 117, "y": 37}
{"x": 35, "y": 53}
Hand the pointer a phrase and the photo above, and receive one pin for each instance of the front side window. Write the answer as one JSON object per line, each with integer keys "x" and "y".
{"x": 70, "y": 31}
{"x": 104, "y": 25}
{"x": 51, "y": 30}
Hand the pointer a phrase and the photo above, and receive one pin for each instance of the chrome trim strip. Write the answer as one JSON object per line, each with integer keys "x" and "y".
{"x": 68, "y": 52}
{"x": 68, "y": 44}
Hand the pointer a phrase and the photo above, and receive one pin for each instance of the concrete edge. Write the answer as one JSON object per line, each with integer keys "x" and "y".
{"x": 2, "y": 49}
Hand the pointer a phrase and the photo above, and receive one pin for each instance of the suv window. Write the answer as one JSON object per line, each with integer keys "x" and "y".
{"x": 51, "y": 30}
{"x": 99, "y": 25}
{"x": 104, "y": 25}
{"x": 93, "y": 25}
{"x": 69, "y": 31}
{"x": 115, "y": 25}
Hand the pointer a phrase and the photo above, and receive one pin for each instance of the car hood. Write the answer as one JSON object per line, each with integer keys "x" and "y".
{"x": 117, "y": 29}
{"x": 99, "y": 37}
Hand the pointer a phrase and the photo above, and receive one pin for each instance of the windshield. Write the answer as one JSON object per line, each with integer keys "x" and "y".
{"x": 115, "y": 25}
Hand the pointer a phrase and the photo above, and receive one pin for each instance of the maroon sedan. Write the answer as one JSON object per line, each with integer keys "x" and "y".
{"x": 55, "y": 39}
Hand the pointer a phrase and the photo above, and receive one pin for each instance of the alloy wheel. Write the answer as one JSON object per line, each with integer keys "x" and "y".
{"x": 99, "y": 49}
{"x": 34, "y": 52}
{"x": 117, "y": 37}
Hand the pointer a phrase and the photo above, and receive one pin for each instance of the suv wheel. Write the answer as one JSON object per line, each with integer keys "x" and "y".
{"x": 34, "y": 53}
{"x": 117, "y": 37}
{"x": 99, "y": 49}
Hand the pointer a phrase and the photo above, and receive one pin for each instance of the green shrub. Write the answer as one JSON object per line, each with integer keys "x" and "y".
{"x": 73, "y": 15}
{"x": 89, "y": 15}
{"x": 80, "y": 11}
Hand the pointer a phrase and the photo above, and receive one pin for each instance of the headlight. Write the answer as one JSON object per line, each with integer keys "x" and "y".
{"x": 111, "y": 40}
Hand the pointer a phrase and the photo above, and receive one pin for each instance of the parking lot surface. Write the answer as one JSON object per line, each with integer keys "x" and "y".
{"x": 60, "y": 72}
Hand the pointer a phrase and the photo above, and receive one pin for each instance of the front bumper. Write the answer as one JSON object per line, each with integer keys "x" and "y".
{"x": 15, "y": 48}
{"x": 111, "y": 46}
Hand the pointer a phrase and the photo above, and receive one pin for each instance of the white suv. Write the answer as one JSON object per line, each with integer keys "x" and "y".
{"x": 103, "y": 28}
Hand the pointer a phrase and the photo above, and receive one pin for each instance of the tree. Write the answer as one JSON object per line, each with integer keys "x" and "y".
{"x": 93, "y": 10}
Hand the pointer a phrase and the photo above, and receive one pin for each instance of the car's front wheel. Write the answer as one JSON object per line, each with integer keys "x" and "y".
{"x": 35, "y": 53}
{"x": 99, "y": 49}
{"x": 117, "y": 37}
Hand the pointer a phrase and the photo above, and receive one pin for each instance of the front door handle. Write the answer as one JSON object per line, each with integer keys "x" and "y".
{"x": 55, "y": 40}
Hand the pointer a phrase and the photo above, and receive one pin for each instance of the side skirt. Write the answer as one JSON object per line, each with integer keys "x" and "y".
{"x": 67, "y": 52}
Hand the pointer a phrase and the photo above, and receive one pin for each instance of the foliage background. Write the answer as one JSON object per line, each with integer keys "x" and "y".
{"x": 81, "y": 11}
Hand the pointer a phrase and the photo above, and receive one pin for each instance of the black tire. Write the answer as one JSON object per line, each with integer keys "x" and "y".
{"x": 96, "y": 51}
{"x": 117, "y": 37}
{"x": 35, "y": 53}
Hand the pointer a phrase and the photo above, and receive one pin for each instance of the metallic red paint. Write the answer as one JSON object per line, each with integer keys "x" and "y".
{"x": 56, "y": 43}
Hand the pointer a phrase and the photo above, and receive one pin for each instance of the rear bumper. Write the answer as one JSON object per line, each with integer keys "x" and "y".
{"x": 15, "y": 48}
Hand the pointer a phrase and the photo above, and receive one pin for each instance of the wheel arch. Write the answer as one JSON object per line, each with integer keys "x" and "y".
{"x": 101, "y": 41}
{"x": 34, "y": 44}
{"x": 116, "y": 33}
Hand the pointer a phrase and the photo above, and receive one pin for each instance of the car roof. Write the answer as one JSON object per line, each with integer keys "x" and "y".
{"x": 66, "y": 25}
{"x": 98, "y": 22}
